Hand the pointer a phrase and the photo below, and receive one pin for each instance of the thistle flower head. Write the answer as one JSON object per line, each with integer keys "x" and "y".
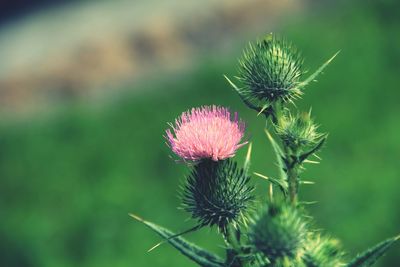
{"x": 278, "y": 232}
{"x": 298, "y": 131}
{"x": 270, "y": 71}
{"x": 206, "y": 132}
{"x": 322, "y": 252}
{"x": 217, "y": 193}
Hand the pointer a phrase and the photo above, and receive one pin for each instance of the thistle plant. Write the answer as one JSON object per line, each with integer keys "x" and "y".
{"x": 277, "y": 232}
{"x": 270, "y": 71}
{"x": 218, "y": 192}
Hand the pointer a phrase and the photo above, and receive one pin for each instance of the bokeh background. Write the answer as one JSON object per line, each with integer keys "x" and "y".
{"x": 87, "y": 89}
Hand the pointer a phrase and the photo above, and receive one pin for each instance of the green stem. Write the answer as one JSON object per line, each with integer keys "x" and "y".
{"x": 291, "y": 164}
{"x": 293, "y": 183}
{"x": 292, "y": 174}
{"x": 232, "y": 241}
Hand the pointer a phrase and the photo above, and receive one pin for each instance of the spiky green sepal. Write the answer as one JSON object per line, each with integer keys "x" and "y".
{"x": 322, "y": 251}
{"x": 218, "y": 193}
{"x": 270, "y": 71}
{"x": 278, "y": 232}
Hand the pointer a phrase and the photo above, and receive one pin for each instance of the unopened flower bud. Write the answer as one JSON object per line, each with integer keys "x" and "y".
{"x": 217, "y": 193}
{"x": 270, "y": 71}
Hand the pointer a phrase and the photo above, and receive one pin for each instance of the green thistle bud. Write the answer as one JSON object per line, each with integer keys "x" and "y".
{"x": 278, "y": 233}
{"x": 322, "y": 252}
{"x": 218, "y": 193}
{"x": 270, "y": 71}
{"x": 298, "y": 131}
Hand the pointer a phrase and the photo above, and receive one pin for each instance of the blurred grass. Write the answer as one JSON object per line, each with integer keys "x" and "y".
{"x": 68, "y": 182}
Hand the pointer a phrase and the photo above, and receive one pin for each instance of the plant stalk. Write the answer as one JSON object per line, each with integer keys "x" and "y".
{"x": 291, "y": 164}
{"x": 293, "y": 183}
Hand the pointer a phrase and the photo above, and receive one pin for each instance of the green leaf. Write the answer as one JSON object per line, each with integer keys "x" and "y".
{"x": 318, "y": 146}
{"x": 246, "y": 101}
{"x": 279, "y": 156}
{"x": 369, "y": 257}
{"x": 317, "y": 72}
{"x": 246, "y": 165}
{"x": 193, "y": 252}
{"x": 278, "y": 182}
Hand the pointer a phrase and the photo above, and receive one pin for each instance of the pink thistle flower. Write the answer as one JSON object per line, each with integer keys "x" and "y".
{"x": 206, "y": 132}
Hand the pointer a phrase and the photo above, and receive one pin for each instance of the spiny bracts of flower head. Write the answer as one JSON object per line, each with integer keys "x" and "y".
{"x": 206, "y": 132}
{"x": 322, "y": 251}
{"x": 270, "y": 71}
{"x": 218, "y": 193}
{"x": 298, "y": 131}
{"x": 278, "y": 232}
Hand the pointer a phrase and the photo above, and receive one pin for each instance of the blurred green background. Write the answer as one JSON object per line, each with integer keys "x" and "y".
{"x": 71, "y": 172}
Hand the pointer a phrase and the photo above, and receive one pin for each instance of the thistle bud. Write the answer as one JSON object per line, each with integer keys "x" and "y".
{"x": 322, "y": 252}
{"x": 298, "y": 131}
{"x": 270, "y": 71}
{"x": 217, "y": 193}
{"x": 278, "y": 233}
